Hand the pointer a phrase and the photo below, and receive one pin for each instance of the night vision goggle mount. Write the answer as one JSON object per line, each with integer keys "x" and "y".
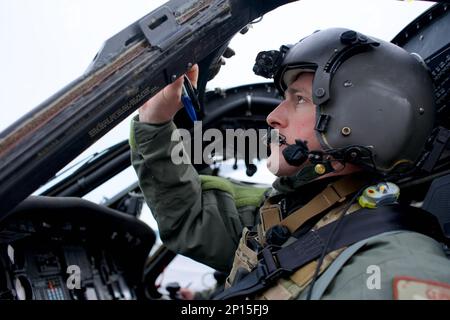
{"x": 268, "y": 62}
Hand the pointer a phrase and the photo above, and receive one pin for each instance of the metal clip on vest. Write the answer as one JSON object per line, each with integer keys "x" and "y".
{"x": 268, "y": 268}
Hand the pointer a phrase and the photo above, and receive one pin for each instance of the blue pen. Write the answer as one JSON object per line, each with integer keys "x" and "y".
{"x": 187, "y": 98}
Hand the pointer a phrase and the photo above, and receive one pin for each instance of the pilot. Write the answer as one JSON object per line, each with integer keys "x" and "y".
{"x": 356, "y": 116}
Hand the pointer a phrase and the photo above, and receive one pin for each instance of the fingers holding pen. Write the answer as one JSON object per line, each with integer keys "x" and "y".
{"x": 164, "y": 106}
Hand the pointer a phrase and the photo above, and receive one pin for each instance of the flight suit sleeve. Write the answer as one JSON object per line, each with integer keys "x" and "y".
{"x": 202, "y": 224}
{"x": 370, "y": 274}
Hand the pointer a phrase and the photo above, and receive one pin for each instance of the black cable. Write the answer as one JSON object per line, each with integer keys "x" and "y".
{"x": 333, "y": 232}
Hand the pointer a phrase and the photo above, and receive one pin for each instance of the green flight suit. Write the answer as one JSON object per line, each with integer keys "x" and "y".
{"x": 203, "y": 218}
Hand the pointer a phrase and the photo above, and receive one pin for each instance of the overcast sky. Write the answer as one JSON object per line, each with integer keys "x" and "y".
{"x": 46, "y": 44}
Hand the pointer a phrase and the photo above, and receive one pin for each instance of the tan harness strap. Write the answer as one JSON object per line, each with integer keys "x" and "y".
{"x": 270, "y": 216}
{"x": 334, "y": 193}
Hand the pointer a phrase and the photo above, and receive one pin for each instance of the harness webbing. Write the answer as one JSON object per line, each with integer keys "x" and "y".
{"x": 275, "y": 262}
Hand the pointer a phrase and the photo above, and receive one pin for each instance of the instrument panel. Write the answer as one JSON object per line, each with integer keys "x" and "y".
{"x": 70, "y": 249}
